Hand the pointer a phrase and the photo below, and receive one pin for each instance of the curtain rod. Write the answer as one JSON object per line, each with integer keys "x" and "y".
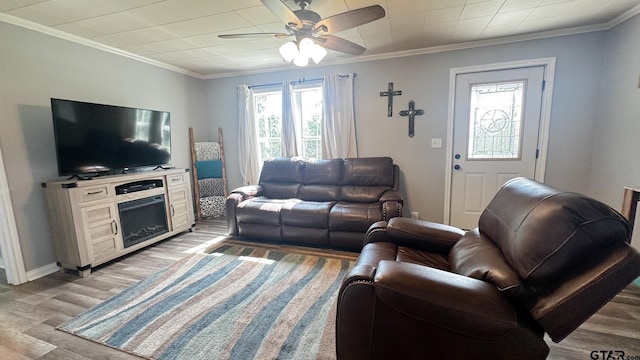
{"x": 297, "y": 82}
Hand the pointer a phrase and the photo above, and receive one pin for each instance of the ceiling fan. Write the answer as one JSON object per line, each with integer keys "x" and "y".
{"x": 312, "y": 32}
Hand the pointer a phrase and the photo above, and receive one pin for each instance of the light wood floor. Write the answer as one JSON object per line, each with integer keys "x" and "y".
{"x": 30, "y": 312}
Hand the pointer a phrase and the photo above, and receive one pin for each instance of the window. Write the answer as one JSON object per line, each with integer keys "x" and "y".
{"x": 495, "y": 128}
{"x": 307, "y": 114}
{"x": 269, "y": 123}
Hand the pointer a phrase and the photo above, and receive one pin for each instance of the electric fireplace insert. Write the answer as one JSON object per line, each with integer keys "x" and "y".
{"x": 143, "y": 219}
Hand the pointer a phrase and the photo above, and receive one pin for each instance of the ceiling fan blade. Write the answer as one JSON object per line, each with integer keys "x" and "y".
{"x": 279, "y": 9}
{"x": 339, "y": 44}
{"x": 254, "y": 35}
{"x": 350, "y": 19}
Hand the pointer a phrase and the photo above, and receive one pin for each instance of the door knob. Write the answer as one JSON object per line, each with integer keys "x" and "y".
{"x": 457, "y": 167}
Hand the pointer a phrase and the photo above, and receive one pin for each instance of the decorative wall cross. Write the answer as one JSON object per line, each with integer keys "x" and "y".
{"x": 390, "y": 94}
{"x": 411, "y": 113}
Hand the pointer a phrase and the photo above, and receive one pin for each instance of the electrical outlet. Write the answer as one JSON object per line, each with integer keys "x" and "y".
{"x": 415, "y": 215}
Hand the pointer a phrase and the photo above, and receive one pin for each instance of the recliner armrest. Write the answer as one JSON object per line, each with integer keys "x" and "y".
{"x": 391, "y": 201}
{"x": 447, "y": 300}
{"x": 422, "y": 235}
{"x": 235, "y": 197}
{"x": 392, "y": 195}
{"x": 360, "y": 273}
{"x": 248, "y": 191}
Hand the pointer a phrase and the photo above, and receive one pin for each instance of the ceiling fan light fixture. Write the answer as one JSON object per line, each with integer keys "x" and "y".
{"x": 301, "y": 60}
{"x": 306, "y": 47}
{"x": 318, "y": 53}
{"x": 289, "y": 51}
{"x": 301, "y": 52}
{"x": 305, "y": 25}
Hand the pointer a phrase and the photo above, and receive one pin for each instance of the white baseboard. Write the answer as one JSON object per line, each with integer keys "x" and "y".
{"x": 42, "y": 271}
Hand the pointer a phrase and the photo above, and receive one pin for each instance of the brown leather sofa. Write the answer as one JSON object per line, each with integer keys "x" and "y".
{"x": 323, "y": 203}
{"x": 541, "y": 261}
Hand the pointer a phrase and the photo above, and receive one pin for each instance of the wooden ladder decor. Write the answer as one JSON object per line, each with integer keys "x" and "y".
{"x": 194, "y": 171}
{"x": 196, "y": 188}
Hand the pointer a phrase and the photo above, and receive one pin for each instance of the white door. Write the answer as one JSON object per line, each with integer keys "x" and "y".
{"x": 495, "y": 136}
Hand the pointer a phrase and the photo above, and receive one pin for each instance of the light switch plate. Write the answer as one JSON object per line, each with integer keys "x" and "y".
{"x": 436, "y": 143}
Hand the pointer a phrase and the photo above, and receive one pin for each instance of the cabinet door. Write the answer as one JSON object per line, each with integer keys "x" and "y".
{"x": 179, "y": 208}
{"x": 101, "y": 231}
{"x": 180, "y": 203}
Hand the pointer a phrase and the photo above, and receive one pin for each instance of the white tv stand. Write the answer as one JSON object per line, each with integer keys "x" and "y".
{"x": 85, "y": 215}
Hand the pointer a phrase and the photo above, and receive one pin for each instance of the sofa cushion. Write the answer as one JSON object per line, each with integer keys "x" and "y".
{"x": 322, "y": 172}
{"x": 262, "y": 210}
{"x": 285, "y": 170}
{"x": 542, "y": 231}
{"x": 476, "y": 256}
{"x": 424, "y": 258}
{"x": 319, "y": 192}
{"x": 306, "y": 214}
{"x": 366, "y": 179}
{"x": 321, "y": 180}
{"x": 368, "y": 172}
{"x": 353, "y": 217}
{"x": 280, "y": 190}
{"x": 281, "y": 177}
{"x": 362, "y": 194}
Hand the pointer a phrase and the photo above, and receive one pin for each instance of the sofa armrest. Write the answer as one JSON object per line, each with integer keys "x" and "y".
{"x": 417, "y": 234}
{"x": 392, "y": 202}
{"x": 392, "y": 195}
{"x": 248, "y": 191}
{"x": 447, "y": 300}
{"x": 236, "y": 196}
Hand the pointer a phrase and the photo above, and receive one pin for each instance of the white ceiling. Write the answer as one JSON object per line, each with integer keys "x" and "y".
{"x": 183, "y": 34}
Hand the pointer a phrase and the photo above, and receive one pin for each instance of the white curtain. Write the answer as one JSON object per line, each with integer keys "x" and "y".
{"x": 339, "y": 127}
{"x": 9, "y": 242}
{"x": 247, "y": 137}
{"x": 289, "y": 143}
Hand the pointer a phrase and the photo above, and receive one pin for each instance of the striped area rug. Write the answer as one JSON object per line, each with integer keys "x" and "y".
{"x": 236, "y": 303}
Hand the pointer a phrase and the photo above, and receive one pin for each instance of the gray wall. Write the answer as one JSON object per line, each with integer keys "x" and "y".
{"x": 35, "y": 67}
{"x": 617, "y": 142}
{"x": 425, "y": 79}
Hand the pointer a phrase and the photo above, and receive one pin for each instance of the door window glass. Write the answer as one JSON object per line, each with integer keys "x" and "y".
{"x": 495, "y": 126}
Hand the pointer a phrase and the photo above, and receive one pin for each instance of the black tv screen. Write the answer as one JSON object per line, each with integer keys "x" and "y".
{"x": 96, "y": 138}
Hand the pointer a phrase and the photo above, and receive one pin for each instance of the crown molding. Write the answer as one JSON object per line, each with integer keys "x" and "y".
{"x": 392, "y": 55}
{"x": 94, "y": 44}
{"x": 624, "y": 17}
{"x": 430, "y": 50}
{"x": 487, "y": 42}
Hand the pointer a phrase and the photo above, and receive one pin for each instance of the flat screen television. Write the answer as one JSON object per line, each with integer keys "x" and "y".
{"x": 96, "y": 139}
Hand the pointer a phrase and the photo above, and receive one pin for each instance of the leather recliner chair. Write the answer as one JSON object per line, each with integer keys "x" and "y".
{"x": 540, "y": 261}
